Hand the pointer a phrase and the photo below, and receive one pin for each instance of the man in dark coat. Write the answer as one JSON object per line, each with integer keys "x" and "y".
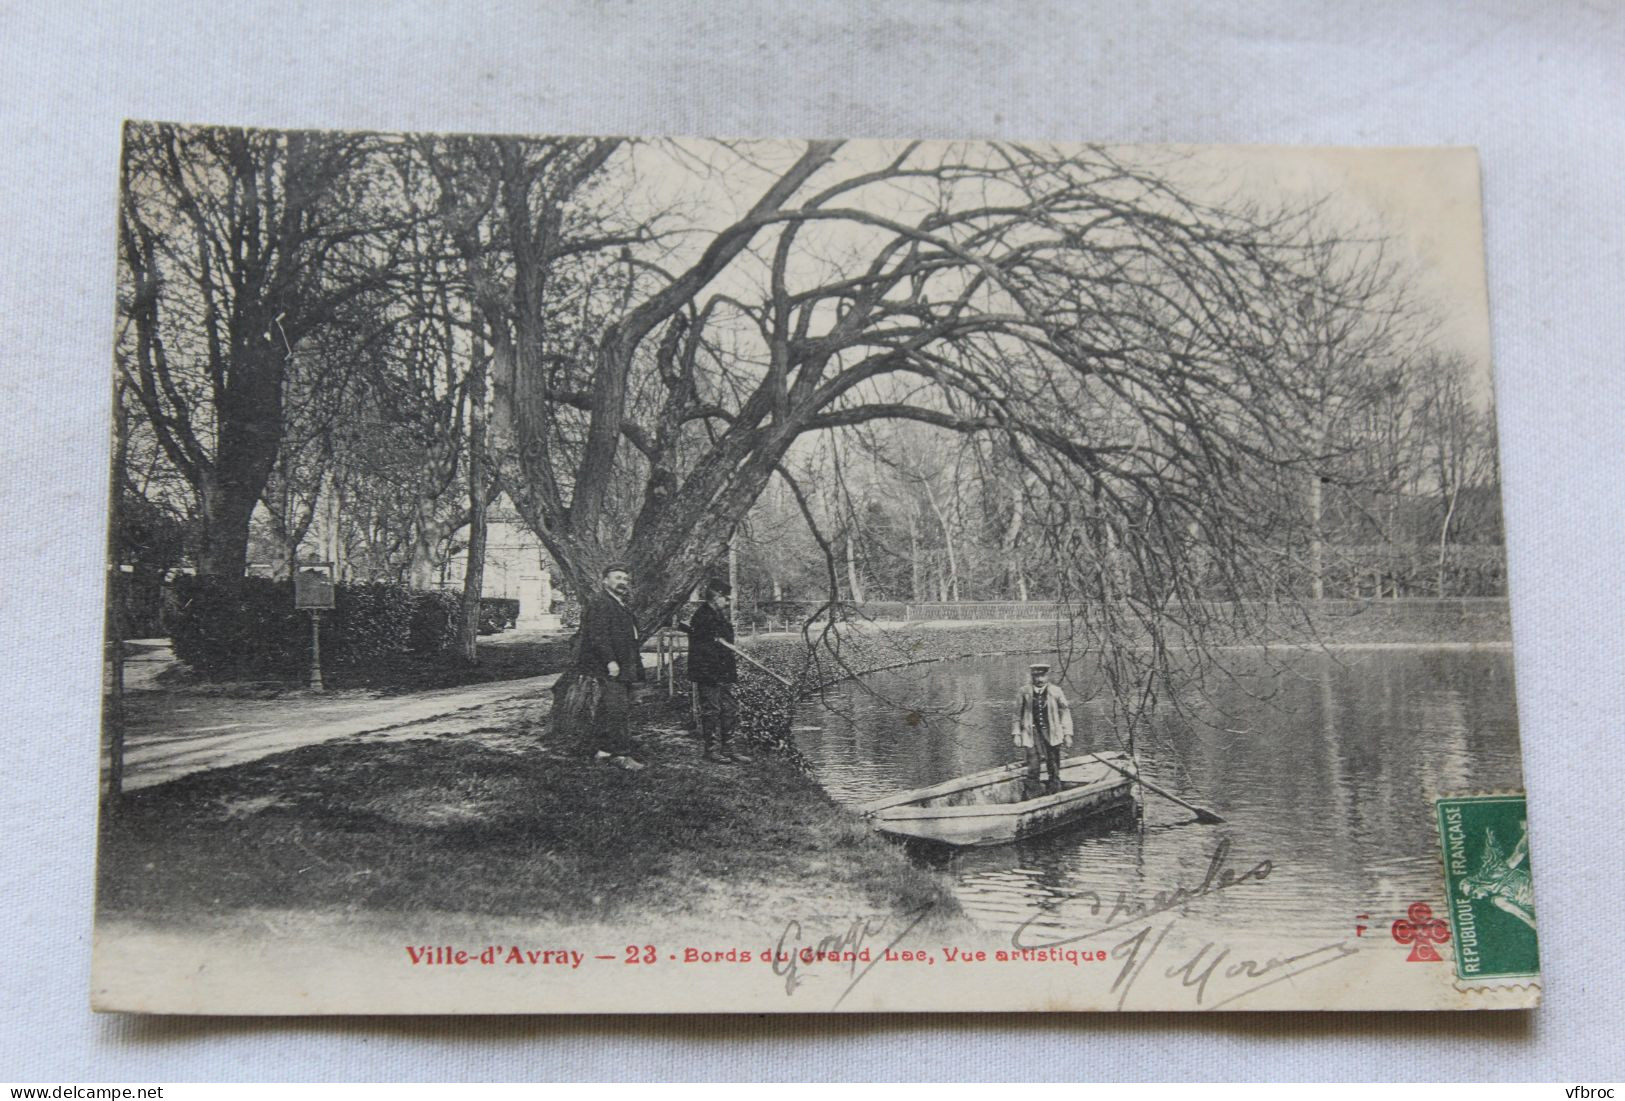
{"x": 609, "y": 653}
{"x": 712, "y": 670}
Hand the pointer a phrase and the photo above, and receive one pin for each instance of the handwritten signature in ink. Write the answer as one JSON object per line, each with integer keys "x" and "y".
{"x": 851, "y": 948}
{"x": 1125, "y": 910}
{"x": 1230, "y": 981}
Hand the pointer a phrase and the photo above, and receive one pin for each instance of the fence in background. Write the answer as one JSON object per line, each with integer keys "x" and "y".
{"x": 789, "y": 615}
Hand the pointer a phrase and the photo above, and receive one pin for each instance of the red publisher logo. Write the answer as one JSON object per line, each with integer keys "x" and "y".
{"x": 1421, "y": 930}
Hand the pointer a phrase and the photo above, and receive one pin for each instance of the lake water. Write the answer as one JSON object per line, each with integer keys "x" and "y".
{"x": 1326, "y": 770}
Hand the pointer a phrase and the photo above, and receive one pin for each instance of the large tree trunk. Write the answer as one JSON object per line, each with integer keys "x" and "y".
{"x": 420, "y": 571}
{"x": 670, "y": 551}
{"x": 226, "y": 510}
{"x": 428, "y": 542}
{"x": 250, "y": 434}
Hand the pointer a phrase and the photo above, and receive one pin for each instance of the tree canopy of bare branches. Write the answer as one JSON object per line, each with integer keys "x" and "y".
{"x": 1123, "y": 390}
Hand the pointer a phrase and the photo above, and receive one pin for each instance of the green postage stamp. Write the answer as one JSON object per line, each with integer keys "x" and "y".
{"x": 1487, "y": 880}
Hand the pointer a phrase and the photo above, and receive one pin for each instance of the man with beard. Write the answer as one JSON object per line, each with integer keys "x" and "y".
{"x": 610, "y": 655}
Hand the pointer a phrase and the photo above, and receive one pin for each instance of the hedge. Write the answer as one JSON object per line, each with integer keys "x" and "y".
{"x": 435, "y": 620}
{"x": 251, "y": 624}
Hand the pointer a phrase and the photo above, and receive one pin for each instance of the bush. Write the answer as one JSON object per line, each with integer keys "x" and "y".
{"x": 371, "y": 620}
{"x": 251, "y": 625}
{"x": 435, "y": 621}
{"x": 219, "y": 626}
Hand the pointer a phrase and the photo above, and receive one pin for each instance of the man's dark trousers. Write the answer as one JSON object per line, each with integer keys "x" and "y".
{"x": 718, "y": 714}
{"x": 1052, "y": 766}
{"x": 612, "y": 719}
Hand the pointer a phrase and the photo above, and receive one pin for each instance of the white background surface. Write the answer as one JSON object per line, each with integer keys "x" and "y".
{"x": 1538, "y": 87}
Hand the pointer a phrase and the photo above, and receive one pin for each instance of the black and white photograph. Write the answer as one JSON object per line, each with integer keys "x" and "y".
{"x": 640, "y": 574}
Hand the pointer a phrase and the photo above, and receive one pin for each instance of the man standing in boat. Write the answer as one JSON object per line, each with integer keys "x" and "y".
{"x": 1042, "y": 725}
{"x": 712, "y": 671}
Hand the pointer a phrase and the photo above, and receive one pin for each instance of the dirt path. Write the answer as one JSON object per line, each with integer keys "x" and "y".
{"x": 167, "y": 736}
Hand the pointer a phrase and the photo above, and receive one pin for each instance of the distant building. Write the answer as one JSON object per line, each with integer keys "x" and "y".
{"x": 516, "y": 567}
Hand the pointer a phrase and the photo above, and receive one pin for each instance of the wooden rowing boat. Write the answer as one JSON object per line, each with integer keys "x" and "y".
{"x": 992, "y": 807}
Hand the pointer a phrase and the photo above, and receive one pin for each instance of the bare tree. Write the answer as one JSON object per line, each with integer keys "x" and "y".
{"x": 1356, "y": 333}
{"x": 670, "y": 325}
{"x": 1460, "y": 445}
{"x": 235, "y": 246}
{"x": 1127, "y": 342}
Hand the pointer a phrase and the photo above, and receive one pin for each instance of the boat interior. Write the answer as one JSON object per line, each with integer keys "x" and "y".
{"x": 1017, "y": 790}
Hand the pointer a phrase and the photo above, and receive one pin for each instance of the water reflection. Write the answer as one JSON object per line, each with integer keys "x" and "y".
{"x": 1325, "y": 769}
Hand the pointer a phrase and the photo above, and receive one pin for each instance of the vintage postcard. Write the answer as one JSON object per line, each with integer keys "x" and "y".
{"x": 562, "y": 574}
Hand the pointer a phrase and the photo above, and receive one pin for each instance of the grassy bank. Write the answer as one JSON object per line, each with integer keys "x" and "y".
{"x": 501, "y": 822}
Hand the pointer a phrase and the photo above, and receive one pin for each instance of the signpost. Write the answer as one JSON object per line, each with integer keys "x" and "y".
{"x": 313, "y": 592}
